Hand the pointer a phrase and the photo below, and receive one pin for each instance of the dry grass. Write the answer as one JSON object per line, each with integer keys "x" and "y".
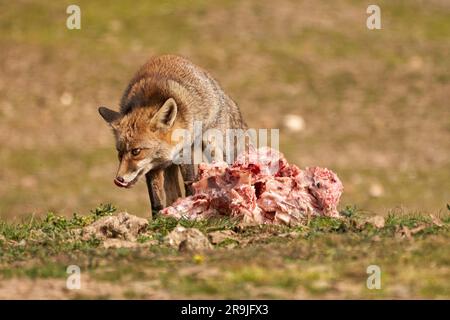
{"x": 375, "y": 103}
{"x": 326, "y": 258}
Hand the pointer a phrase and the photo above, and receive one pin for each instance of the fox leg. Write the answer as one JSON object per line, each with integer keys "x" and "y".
{"x": 155, "y": 186}
{"x": 188, "y": 174}
{"x": 173, "y": 184}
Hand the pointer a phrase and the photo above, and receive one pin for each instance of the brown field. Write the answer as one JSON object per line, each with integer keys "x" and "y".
{"x": 375, "y": 106}
{"x": 375, "y": 103}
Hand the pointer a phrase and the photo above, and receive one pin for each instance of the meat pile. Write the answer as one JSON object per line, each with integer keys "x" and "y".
{"x": 260, "y": 187}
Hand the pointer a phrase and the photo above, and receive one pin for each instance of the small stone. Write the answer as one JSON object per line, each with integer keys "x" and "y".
{"x": 403, "y": 232}
{"x": 418, "y": 229}
{"x": 376, "y": 190}
{"x": 376, "y": 238}
{"x": 436, "y": 221}
{"x": 188, "y": 239}
{"x": 66, "y": 99}
{"x": 294, "y": 122}
{"x": 377, "y": 221}
{"x": 121, "y": 226}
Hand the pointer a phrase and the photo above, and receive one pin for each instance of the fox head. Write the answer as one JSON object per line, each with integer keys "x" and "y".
{"x": 143, "y": 139}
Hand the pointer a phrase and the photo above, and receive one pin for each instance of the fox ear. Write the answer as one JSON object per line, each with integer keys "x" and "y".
{"x": 108, "y": 115}
{"x": 166, "y": 115}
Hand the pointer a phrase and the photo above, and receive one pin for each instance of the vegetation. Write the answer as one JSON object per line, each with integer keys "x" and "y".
{"x": 327, "y": 257}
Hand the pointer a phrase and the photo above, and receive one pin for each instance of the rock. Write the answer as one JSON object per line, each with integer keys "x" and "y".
{"x": 66, "y": 99}
{"x": 377, "y": 221}
{"x": 294, "y": 122}
{"x": 122, "y": 226}
{"x": 188, "y": 239}
{"x": 403, "y": 232}
{"x": 376, "y": 190}
{"x": 217, "y": 237}
{"x": 376, "y": 238}
{"x": 418, "y": 229}
{"x": 436, "y": 221}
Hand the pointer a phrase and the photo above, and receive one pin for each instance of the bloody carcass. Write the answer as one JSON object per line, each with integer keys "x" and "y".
{"x": 260, "y": 187}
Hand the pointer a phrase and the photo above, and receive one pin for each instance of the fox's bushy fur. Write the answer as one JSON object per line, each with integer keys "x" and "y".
{"x": 167, "y": 93}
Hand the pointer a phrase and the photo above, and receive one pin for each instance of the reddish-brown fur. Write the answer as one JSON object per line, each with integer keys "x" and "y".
{"x": 167, "y": 93}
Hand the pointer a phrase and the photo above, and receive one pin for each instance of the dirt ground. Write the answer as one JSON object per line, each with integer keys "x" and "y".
{"x": 374, "y": 103}
{"x": 326, "y": 258}
{"x": 373, "y": 107}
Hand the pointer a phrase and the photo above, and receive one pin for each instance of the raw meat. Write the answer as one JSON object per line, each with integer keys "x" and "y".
{"x": 260, "y": 187}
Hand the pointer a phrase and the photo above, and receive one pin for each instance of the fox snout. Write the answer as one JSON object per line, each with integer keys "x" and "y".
{"x": 128, "y": 173}
{"x": 125, "y": 182}
{"x": 126, "y": 179}
{"x": 120, "y": 182}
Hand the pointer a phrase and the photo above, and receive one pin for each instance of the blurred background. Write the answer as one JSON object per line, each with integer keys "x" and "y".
{"x": 372, "y": 105}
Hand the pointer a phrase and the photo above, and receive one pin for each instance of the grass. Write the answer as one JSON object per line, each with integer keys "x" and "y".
{"x": 327, "y": 257}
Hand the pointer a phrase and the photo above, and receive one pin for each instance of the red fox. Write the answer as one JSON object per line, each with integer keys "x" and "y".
{"x": 167, "y": 93}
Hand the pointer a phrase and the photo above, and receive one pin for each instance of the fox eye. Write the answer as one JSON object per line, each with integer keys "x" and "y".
{"x": 135, "y": 151}
{"x": 318, "y": 185}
